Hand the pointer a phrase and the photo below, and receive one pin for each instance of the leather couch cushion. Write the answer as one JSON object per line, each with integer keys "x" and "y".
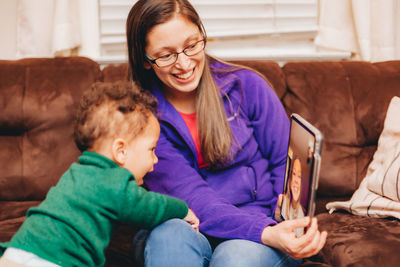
{"x": 359, "y": 241}
{"x": 12, "y": 215}
{"x": 38, "y": 98}
{"x": 347, "y": 101}
{"x": 271, "y": 70}
{"x": 113, "y": 73}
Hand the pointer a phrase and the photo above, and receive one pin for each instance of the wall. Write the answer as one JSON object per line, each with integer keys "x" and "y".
{"x": 8, "y": 29}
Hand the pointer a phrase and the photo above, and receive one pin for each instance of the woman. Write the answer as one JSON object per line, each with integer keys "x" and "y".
{"x": 291, "y": 206}
{"x": 222, "y": 147}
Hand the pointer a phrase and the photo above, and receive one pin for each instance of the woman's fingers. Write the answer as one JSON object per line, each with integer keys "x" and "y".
{"x": 282, "y": 237}
{"x": 277, "y": 213}
{"x": 280, "y": 200}
{"x": 317, "y": 242}
{"x": 298, "y": 223}
{"x": 312, "y": 241}
{"x": 315, "y": 246}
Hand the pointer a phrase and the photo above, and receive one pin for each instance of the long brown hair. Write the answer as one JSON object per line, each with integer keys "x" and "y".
{"x": 214, "y": 130}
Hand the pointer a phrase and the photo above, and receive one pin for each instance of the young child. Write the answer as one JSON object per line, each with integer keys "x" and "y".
{"x": 117, "y": 131}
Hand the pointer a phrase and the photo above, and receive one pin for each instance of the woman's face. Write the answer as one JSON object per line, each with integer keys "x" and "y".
{"x": 295, "y": 185}
{"x": 184, "y": 75}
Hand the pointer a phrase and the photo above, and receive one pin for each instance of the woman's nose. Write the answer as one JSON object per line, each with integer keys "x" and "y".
{"x": 183, "y": 61}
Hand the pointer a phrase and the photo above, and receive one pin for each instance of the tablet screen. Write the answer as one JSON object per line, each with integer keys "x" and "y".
{"x": 299, "y": 168}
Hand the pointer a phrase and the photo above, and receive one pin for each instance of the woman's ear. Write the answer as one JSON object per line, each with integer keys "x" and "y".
{"x": 147, "y": 65}
{"x": 119, "y": 151}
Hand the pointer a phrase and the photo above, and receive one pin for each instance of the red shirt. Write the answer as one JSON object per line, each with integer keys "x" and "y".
{"x": 191, "y": 123}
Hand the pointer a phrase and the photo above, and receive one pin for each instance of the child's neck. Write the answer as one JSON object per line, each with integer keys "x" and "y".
{"x": 103, "y": 148}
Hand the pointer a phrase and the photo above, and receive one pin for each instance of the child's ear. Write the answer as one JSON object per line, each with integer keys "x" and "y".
{"x": 119, "y": 151}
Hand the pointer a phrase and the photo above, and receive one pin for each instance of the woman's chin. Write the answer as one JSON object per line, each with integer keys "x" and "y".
{"x": 187, "y": 85}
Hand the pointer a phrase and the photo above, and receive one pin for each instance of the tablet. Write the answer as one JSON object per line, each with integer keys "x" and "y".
{"x": 302, "y": 170}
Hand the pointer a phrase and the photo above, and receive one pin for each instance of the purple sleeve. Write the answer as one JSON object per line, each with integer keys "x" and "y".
{"x": 271, "y": 127}
{"x": 174, "y": 176}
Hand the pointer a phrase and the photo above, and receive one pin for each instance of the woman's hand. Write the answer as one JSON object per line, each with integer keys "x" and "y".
{"x": 192, "y": 219}
{"x": 277, "y": 214}
{"x": 281, "y": 236}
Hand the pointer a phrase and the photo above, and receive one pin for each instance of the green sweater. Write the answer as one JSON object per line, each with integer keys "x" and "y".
{"x": 74, "y": 224}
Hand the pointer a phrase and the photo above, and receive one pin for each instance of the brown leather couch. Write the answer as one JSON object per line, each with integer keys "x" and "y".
{"x": 347, "y": 101}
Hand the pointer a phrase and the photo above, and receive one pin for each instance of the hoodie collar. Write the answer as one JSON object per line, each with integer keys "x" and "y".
{"x": 170, "y": 115}
{"x": 224, "y": 80}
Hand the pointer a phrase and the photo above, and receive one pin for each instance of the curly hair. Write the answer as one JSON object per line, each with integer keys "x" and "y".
{"x": 111, "y": 109}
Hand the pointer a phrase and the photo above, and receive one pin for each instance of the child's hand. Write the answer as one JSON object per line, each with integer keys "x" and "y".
{"x": 192, "y": 219}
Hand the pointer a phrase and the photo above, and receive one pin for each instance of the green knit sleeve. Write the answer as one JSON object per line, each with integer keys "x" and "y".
{"x": 147, "y": 209}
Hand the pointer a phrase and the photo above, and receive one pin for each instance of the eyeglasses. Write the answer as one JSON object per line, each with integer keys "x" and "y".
{"x": 169, "y": 59}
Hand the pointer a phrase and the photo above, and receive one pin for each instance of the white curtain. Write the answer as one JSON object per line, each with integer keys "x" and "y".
{"x": 370, "y": 29}
{"x": 47, "y": 28}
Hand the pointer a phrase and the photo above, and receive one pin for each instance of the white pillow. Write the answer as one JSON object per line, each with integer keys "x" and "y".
{"x": 379, "y": 193}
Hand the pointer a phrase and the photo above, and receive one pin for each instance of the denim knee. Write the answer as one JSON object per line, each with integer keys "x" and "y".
{"x": 176, "y": 243}
{"x": 247, "y": 253}
{"x": 174, "y": 230}
{"x": 235, "y": 253}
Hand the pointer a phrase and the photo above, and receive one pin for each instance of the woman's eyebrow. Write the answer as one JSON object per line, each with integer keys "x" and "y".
{"x": 188, "y": 39}
{"x": 192, "y": 37}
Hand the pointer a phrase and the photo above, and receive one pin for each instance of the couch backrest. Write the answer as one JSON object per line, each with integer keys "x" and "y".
{"x": 270, "y": 69}
{"x": 38, "y": 99}
{"x": 347, "y": 101}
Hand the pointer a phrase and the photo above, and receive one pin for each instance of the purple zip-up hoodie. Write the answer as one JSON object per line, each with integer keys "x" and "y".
{"x": 236, "y": 201}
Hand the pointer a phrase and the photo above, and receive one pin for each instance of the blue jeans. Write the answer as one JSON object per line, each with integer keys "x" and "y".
{"x": 176, "y": 243}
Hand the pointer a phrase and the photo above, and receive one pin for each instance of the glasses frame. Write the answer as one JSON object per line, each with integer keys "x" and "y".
{"x": 154, "y": 61}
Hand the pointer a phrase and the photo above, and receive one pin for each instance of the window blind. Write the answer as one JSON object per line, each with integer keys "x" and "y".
{"x": 279, "y": 30}
{"x": 243, "y": 18}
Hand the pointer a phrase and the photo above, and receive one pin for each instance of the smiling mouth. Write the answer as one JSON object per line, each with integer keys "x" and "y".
{"x": 184, "y": 75}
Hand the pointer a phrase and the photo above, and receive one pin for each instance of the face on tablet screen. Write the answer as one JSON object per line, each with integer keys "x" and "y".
{"x": 298, "y": 173}
{"x": 295, "y": 181}
{"x": 302, "y": 172}
{"x": 293, "y": 205}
